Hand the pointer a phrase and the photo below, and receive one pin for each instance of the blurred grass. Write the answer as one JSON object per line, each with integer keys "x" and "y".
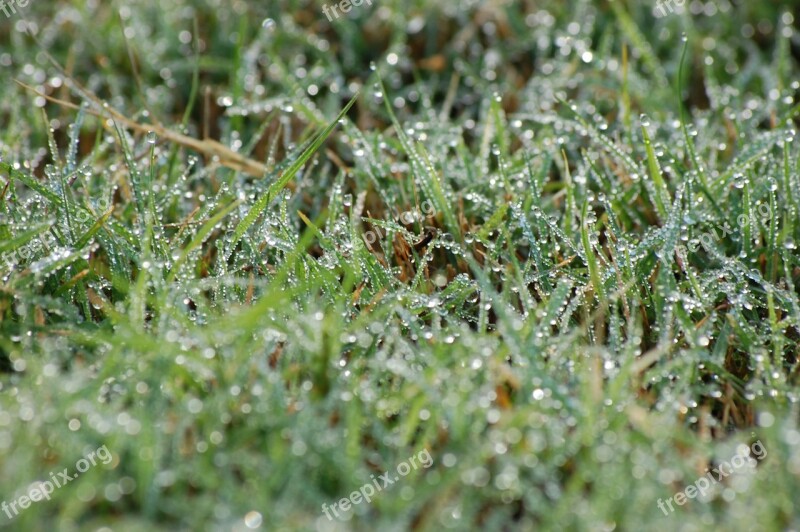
{"x": 554, "y": 332}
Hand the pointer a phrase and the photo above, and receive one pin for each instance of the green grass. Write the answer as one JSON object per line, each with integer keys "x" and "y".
{"x": 578, "y": 294}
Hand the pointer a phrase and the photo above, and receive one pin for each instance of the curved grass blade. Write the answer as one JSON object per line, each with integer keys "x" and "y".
{"x": 201, "y": 236}
{"x": 23, "y": 238}
{"x": 96, "y": 226}
{"x": 264, "y": 201}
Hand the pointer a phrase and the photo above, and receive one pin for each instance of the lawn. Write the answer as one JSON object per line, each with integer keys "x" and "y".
{"x": 399, "y": 265}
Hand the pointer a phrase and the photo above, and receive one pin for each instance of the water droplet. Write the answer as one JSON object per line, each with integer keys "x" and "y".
{"x": 253, "y": 519}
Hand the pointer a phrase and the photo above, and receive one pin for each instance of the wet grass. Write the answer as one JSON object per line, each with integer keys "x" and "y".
{"x": 264, "y": 258}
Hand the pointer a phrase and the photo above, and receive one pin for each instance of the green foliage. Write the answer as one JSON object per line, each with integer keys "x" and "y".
{"x": 464, "y": 241}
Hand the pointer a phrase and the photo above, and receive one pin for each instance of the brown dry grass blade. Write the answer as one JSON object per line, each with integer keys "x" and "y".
{"x": 208, "y": 147}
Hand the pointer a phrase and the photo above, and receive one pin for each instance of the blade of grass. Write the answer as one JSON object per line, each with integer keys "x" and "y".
{"x": 278, "y": 185}
{"x": 200, "y": 237}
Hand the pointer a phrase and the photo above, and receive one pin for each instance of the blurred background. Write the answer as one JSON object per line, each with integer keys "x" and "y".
{"x": 219, "y": 442}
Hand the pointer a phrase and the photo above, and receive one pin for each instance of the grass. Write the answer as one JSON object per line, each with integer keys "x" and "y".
{"x": 263, "y": 258}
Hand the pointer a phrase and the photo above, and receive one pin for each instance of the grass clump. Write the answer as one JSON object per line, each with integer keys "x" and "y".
{"x": 265, "y": 258}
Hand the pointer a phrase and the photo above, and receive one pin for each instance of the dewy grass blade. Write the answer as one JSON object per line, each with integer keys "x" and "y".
{"x": 690, "y": 147}
{"x": 199, "y": 238}
{"x": 23, "y": 238}
{"x": 423, "y": 169}
{"x": 264, "y": 201}
{"x": 591, "y": 258}
{"x": 655, "y": 175}
{"x": 31, "y": 182}
{"x": 96, "y": 226}
{"x": 637, "y": 39}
